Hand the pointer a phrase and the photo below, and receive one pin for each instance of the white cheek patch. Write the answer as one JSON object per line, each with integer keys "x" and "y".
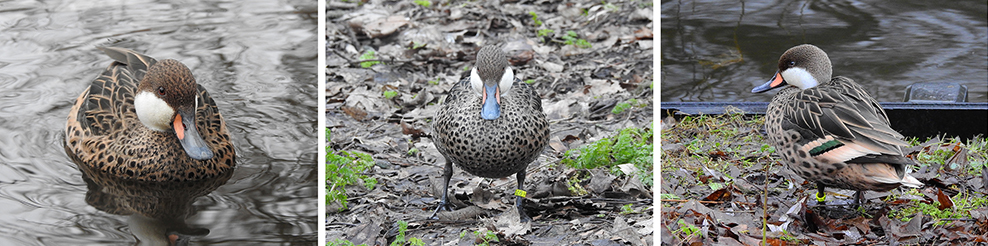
{"x": 507, "y": 80}
{"x": 476, "y": 82}
{"x": 153, "y": 112}
{"x": 799, "y": 77}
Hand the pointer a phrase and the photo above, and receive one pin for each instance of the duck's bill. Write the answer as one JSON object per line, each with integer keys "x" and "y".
{"x": 773, "y": 83}
{"x": 492, "y": 107}
{"x": 192, "y": 142}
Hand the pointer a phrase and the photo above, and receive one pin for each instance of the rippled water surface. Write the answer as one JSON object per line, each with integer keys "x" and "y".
{"x": 257, "y": 58}
{"x": 719, "y": 50}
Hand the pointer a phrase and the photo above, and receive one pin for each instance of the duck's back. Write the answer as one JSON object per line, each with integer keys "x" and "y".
{"x": 105, "y": 137}
{"x": 491, "y": 148}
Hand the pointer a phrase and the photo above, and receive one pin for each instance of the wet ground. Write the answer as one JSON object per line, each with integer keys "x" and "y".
{"x": 719, "y": 50}
{"x": 424, "y": 50}
{"x": 256, "y": 58}
{"x": 721, "y": 184}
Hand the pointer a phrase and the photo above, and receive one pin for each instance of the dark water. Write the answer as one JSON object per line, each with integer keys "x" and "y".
{"x": 258, "y": 60}
{"x": 719, "y": 50}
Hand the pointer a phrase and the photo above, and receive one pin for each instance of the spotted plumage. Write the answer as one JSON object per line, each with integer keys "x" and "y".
{"x": 109, "y": 138}
{"x": 491, "y": 124}
{"x": 830, "y": 130}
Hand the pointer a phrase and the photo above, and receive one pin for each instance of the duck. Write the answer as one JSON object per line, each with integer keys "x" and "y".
{"x": 491, "y": 125}
{"x": 829, "y": 130}
{"x": 144, "y": 120}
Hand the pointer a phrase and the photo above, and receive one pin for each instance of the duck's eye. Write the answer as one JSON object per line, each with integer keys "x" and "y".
{"x": 792, "y": 63}
{"x": 161, "y": 91}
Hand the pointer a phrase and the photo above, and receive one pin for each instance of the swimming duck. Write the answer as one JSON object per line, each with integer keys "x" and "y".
{"x": 491, "y": 125}
{"x": 830, "y": 130}
{"x": 147, "y": 120}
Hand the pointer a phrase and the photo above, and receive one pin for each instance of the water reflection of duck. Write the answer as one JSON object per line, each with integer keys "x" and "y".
{"x": 491, "y": 124}
{"x": 830, "y": 130}
{"x": 148, "y": 120}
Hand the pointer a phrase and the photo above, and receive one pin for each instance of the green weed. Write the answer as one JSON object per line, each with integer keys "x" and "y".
{"x": 343, "y": 168}
{"x": 535, "y": 18}
{"x": 390, "y": 94}
{"x": 400, "y": 238}
{"x": 571, "y": 38}
{"x": 486, "y": 237}
{"x": 423, "y": 3}
{"x": 368, "y": 55}
{"x": 630, "y": 145}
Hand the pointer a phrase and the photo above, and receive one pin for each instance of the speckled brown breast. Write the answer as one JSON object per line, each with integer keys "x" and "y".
{"x": 491, "y": 148}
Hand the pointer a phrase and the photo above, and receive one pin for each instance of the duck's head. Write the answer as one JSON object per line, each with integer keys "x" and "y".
{"x": 166, "y": 101}
{"x": 804, "y": 66}
{"x": 492, "y": 78}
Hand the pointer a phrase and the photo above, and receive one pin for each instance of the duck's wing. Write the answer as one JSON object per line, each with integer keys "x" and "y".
{"x": 843, "y": 111}
{"x": 528, "y": 93}
{"x": 458, "y": 92}
{"x": 108, "y": 103}
{"x": 212, "y": 126}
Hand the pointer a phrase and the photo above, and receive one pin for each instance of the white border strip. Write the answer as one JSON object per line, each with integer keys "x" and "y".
{"x": 321, "y": 128}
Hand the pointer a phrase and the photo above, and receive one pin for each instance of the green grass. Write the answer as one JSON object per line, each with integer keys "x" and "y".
{"x": 368, "y": 55}
{"x": 630, "y": 145}
{"x": 963, "y": 204}
{"x": 342, "y": 242}
{"x": 529, "y": 81}
{"x": 941, "y": 153}
{"x": 343, "y": 168}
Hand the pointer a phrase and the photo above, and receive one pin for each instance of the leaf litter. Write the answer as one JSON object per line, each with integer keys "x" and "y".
{"x": 721, "y": 184}
{"x": 421, "y": 51}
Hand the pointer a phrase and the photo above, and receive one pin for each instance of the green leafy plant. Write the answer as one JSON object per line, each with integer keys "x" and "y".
{"x": 535, "y": 18}
{"x": 626, "y": 209}
{"x": 571, "y": 38}
{"x": 529, "y": 81}
{"x": 689, "y": 230}
{"x": 620, "y": 107}
{"x": 368, "y": 55}
{"x": 486, "y": 237}
{"x": 630, "y": 145}
{"x": 423, "y": 3}
{"x": 390, "y": 94}
{"x": 343, "y": 168}
{"x": 400, "y": 238}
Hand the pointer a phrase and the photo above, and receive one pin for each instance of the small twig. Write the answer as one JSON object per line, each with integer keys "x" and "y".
{"x": 340, "y": 224}
{"x": 681, "y": 200}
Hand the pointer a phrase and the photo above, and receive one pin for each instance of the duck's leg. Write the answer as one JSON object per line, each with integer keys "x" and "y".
{"x": 821, "y": 197}
{"x": 858, "y": 198}
{"x": 444, "y": 202}
{"x": 518, "y": 198}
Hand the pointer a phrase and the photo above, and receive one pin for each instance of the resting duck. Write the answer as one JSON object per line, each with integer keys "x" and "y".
{"x": 491, "y": 125}
{"x": 831, "y": 131}
{"x": 147, "y": 120}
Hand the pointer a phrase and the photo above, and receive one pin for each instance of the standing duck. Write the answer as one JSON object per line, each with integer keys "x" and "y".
{"x": 491, "y": 125}
{"x": 148, "y": 121}
{"x": 830, "y": 130}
